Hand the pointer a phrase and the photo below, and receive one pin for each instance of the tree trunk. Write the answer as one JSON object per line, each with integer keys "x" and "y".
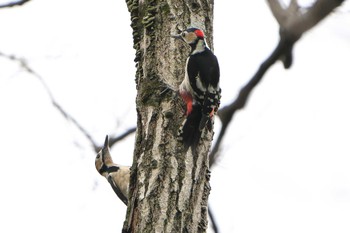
{"x": 169, "y": 187}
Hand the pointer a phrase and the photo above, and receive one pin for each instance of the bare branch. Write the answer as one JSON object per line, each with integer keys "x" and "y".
{"x": 292, "y": 28}
{"x": 12, "y": 4}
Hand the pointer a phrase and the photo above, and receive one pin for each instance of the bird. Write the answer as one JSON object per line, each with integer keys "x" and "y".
{"x": 118, "y": 176}
{"x": 200, "y": 89}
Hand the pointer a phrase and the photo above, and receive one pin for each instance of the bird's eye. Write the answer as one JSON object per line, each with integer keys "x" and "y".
{"x": 183, "y": 34}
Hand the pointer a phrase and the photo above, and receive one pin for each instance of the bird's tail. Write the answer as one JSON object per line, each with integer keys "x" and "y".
{"x": 190, "y": 133}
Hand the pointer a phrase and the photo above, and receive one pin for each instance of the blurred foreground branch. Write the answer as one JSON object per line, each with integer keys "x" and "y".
{"x": 12, "y": 4}
{"x": 293, "y": 22}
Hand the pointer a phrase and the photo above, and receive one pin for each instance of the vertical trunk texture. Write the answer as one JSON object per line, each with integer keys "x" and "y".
{"x": 169, "y": 187}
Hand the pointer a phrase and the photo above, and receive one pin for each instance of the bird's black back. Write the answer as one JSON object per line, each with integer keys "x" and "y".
{"x": 204, "y": 64}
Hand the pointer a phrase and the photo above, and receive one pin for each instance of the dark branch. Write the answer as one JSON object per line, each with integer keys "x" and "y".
{"x": 226, "y": 113}
{"x": 114, "y": 140}
{"x": 213, "y": 221}
{"x": 291, "y": 29}
{"x": 12, "y": 4}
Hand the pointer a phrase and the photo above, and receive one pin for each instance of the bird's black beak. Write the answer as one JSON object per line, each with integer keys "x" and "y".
{"x": 106, "y": 142}
{"x": 105, "y": 148}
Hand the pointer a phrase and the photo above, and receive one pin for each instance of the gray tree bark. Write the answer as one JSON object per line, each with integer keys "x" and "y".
{"x": 169, "y": 187}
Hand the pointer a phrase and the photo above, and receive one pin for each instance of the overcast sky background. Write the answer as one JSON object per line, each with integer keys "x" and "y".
{"x": 286, "y": 157}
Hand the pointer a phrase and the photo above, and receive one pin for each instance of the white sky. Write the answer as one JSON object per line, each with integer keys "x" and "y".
{"x": 286, "y": 157}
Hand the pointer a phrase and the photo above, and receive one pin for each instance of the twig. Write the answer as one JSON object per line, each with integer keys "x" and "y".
{"x": 66, "y": 115}
{"x": 12, "y": 4}
{"x": 26, "y": 67}
{"x": 114, "y": 140}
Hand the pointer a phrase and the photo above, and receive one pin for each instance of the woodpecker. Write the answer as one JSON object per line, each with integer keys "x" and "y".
{"x": 200, "y": 88}
{"x": 118, "y": 176}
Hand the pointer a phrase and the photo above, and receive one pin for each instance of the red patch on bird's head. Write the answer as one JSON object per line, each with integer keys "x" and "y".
{"x": 199, "y": 33}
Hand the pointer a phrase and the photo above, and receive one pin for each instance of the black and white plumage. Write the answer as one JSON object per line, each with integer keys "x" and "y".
{"x": 200, "y": 88}
{"x": 118, "y": 176}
